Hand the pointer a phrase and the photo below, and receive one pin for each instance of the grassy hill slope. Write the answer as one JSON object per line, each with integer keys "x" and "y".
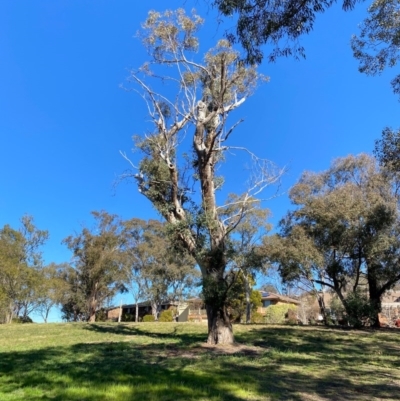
{"x": 168, "y": 361}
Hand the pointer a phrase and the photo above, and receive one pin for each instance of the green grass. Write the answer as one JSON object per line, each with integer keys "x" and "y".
{"x": 168, "y": 361}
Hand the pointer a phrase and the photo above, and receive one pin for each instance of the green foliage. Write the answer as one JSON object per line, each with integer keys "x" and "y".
{"x": 97, "y": 273}
{"x": 277, "y": 314}
{"x": 22, "y": 319}
{"x": 153, "y": 269}
{"x": 387, "y": 149}
{"x": 166, "y": 316}
{"x": 345, "y": 232}
{"x": 261, "y": 21}
{"x": 148, "y": 318}
{"x": 20, "y": 269}
{"x": 101, "y": 315}
{"x": 377, "y": 46}
{"x": 257, "y": 317}
{"x": 360, "y": 310}
{"x": 127, "y": 317}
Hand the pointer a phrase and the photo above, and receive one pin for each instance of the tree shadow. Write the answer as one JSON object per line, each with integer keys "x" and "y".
{"x": 173, "y": 331}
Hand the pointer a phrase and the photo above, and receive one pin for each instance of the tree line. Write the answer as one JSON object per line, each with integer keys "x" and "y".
{"x": 114, "y": 256}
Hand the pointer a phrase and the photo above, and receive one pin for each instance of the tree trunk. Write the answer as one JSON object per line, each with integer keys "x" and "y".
{"x": 248, "y": 294}
{"x": 10, "y": 314}
{"x": 92, "y": 311}
{"x": 137, "y": 312}
{"x": 92, "y": 316}
{"x": 321, "y": 303}
{"x": 154, "y": 310}
{"x": 374, "y": 300}
{"x": 219, "y": 326}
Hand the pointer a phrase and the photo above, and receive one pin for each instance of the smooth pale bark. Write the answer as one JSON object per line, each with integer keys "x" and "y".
{"x": 154, "y": 310}
{"x": 92, "y": 310}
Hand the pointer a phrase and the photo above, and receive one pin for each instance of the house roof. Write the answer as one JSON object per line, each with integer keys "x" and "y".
{"x": 270, "y": 296}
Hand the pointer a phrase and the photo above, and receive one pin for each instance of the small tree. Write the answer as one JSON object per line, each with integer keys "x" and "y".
{"x": 206, "y": 93}
{"x": 51, "y": 289}
{"x": 154, "y": 270}
{"x": 20, "y": 267}
{"x": 98, "y": 273}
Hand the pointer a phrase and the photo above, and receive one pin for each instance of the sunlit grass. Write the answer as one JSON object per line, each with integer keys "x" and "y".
{"x": 170, "y": 362}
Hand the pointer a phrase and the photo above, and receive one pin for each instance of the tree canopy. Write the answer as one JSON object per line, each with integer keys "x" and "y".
{"x": 378, "y": 44}
{"x": 280, "y": 23}
{"x": 344, "y": 234}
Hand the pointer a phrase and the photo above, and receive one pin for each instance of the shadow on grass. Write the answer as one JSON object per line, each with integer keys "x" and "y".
{"x": 168, "y": 331}
{"x": 127, "y": 371}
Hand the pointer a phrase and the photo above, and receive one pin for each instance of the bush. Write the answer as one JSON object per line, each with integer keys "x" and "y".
{"x": 148, "y": 318}
{"x": 257, "y": 317}
{"x": 127, "y": 317}
{"x": 276, "y": 314}
{"x": 19, "y": 319}
{"x": 101, "y": 315}
{"x": 360, "y": 311}
{"x": 166, "y": 316}
{"x": 291, "y": 317}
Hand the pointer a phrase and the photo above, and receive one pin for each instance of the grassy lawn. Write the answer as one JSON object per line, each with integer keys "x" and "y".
{"x": 168, "y": 361}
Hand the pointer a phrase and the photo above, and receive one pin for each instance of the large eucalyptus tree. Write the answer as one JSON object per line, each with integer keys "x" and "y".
{"x": 183, "y": 188}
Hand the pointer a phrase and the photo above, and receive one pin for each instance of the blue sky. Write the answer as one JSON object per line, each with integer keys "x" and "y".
{"x": 64, "y": 117}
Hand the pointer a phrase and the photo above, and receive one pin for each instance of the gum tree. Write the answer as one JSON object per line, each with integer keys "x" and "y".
{"x": 343, "y": 234}
{"x": 182, "y": 183}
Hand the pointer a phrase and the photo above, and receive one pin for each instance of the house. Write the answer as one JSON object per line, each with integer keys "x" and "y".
{"x": 129, "y": 311}
{"x": 190, "y": 310}
{"x": 270, "y": 298}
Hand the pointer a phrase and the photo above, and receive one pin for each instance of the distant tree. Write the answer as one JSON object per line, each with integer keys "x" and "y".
{"x": 344, "y": 234}
{"x": 73, "y": 299}
{"x": 242, "y": 301}
{"x": 154, "y": 270}
{"x": 20, "y": 266}
{"x": 97, "y": 263}
{"x": 273, "y": 22}
{"x": 247, "y": 259}
{"x": 378, "y": 45}
{"x": 207, "y": 91}
{"x": 51, "y": 289}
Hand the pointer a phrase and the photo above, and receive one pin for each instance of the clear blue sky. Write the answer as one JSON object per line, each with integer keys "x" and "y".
{"x": 64, "y": 118}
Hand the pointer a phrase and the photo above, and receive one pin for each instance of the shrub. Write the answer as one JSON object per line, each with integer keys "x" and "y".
{"x": 291, "y": 317}
{"x": 257, "y": 317}
{"x": 21, "y": 319}
{"x": 276, "y": 314}
{"x": 128, "y": 317}
{"x": 101, "y": 315}
{"x": 148, "y": 318}
{"x": 166, "y": 316}
{"x": 360, "y": 311}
